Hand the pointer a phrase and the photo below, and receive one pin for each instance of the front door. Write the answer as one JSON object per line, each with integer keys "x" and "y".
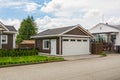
{"x": 53, "y": 46}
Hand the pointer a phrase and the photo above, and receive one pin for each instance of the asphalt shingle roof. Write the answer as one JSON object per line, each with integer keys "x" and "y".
{"x": 54, "y": 31}
{"x": 10, "y": 28}
{"x": 113, "y": 26}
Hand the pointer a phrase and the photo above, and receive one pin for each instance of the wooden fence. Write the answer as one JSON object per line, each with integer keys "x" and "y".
{"x": 96, "y": 48}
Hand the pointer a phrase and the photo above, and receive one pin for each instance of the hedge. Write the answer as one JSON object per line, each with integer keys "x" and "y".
{"x": 17, "y": 53}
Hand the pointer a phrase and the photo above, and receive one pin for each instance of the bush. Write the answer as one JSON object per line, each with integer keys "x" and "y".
{"x": 103, "y": 54}
{"x": 17, "y": 52}
{"x": 3, "y": 52}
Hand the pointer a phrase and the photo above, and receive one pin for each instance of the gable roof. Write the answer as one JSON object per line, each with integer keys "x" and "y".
{"x": 8, "y": 28}
{"x": 113, "y": 26}
{"x": 55, "y": 31}
{"x": 60, "y": 31}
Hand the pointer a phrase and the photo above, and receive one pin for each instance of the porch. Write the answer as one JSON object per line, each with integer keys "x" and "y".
{"x": 108, "y": 40}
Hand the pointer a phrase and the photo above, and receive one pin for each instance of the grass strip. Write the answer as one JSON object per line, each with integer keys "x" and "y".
{"x": 28, "y": 60}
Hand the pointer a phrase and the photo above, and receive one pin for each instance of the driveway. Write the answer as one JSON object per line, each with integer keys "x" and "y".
{"x": 81, "y": 57}
{"x": 105, "y": 68}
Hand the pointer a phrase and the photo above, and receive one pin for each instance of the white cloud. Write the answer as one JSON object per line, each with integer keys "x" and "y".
{"x": 93, "y": 13}
{"x": 73, "y": 5}
{"x": 114, "y": 20}
{"x": 8, "y": 3}
{"x": 69, "y": 12}
{"x": 85, "y": 12}
{"x": 43, "y": 21}
{"x": 51, "y": 6}
{"x": 20, "y": 4}
{"x": 13, "y": 22}
{"x": 49, "y": 23}
{"x": 29, "y": 7}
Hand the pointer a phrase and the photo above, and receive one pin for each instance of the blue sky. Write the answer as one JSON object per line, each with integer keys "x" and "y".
{"x": 17, "y": 11}
{"x": 60, "y": 13}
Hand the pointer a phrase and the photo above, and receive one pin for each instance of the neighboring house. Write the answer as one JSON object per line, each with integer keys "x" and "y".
{"x": 27, "y": 44}
{"x": 7, "y": 36}
{"x": 72, "y": 40}
{"x": 108, "y": 33}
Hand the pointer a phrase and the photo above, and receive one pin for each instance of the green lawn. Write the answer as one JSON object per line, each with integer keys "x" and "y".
{"x": 6, "y": 61}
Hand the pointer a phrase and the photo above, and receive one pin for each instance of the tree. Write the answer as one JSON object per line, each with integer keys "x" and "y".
{"x": 27, "y": 29}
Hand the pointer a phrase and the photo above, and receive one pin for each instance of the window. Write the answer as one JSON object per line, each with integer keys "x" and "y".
{"x": 4, "y": 39}
{"x": 72, "y": 39}
{"x": 79, "y": 40}
{"x": 84, "y": 40}
{"x": 45, "y": 44}
{"x": 65, "y": 40}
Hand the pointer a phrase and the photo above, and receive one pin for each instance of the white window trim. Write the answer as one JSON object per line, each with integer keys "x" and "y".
{"x": 6, "y": 39}
{"x": 44, "y": 43}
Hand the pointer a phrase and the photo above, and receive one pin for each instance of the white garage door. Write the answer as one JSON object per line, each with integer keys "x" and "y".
{"x": 75, "y": 46}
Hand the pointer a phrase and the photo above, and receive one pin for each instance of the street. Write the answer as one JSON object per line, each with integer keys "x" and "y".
{"x": 103, "y": 68}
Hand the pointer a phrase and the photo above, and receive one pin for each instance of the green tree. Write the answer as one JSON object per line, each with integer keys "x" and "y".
{"x": 27, "y": 29}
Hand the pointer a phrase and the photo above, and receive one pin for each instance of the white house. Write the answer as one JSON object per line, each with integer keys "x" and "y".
{"x": 107, "y": 32}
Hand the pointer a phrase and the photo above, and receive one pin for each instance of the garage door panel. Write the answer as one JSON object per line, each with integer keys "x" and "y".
{"x": 75, "y": 47}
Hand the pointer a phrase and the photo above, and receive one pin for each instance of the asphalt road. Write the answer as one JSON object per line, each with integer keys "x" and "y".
{"x": 107, "y": 68}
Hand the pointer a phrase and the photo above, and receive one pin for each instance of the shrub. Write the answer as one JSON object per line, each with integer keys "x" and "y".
{"x": 103, "y": 54}
{"x": 17, "y": 52}
{"x": 3, "y": 52}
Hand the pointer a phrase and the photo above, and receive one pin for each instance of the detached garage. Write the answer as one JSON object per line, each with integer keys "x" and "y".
{"x": 72, "y": 40}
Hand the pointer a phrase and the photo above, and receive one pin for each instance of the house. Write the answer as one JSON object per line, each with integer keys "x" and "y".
{"x": 107, "y": 32}
{"x": 27, "y": 44}
{"x": 7, "y": 36}
{"x": 72, "y": 40}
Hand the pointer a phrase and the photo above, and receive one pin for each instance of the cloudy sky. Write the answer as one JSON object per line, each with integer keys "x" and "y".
{"x": 59, "y": 13}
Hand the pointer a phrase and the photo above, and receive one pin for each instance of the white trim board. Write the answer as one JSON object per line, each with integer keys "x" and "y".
{"x": 3, "y": 26}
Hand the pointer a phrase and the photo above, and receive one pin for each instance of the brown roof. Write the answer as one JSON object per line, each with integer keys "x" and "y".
{"x": 28, "y": 42}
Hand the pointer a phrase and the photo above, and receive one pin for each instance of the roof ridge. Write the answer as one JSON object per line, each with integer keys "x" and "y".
{"x": 61, "y": 27}
{"x": 9, "y": 25}
{"x": 55, "y": 30}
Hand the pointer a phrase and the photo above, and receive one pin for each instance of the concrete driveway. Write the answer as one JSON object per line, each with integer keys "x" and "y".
{"x": 81, "y": 57}
{"x": 106, "y": 68}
